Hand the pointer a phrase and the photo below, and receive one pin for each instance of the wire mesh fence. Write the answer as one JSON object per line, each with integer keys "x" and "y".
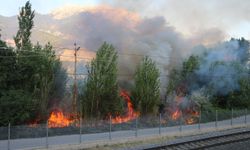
{"x": 42, "y": 135}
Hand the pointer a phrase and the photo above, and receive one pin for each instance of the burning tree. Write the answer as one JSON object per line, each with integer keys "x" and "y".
{"x": 146, "y": 93}
{"x": 101, "y": 94}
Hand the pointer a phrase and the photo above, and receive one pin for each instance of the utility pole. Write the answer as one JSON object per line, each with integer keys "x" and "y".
{"x": 75, "y": 82}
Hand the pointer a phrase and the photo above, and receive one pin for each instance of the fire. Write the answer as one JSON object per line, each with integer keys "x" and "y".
{"x": 176, "y": 115}
{"x": 59, "y": 120}
{"x": 130, "y": 115}
{"x": 184, "y": 109}
{"x": 190, "y": 121}
{"x": 189, "y": 116}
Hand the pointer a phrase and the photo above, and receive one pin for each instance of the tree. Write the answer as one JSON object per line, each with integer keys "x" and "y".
{"x": 221, "y": 73}
{"x": 30, "y": 78}
{"x": 7, "y": 66}
{"x": 16, "y": 107}
{"x": 44, "y": 76}
{"x": 146, "y": 93}
{"x": 185, "y": 75}
{"x": 15, "y": 103}
{"x": 101, "y": 94}
{"x": 25, "y": 18}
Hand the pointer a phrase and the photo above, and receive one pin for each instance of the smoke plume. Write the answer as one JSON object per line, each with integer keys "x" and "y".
{"x": 132, "y": 36}
{"x": 222, "y": 66}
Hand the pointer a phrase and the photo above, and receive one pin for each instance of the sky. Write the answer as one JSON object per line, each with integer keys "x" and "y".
{"x": 229, "y": 18}
{"x": 11, "y": 7}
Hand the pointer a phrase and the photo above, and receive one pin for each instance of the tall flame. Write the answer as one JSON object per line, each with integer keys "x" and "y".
{"x": 130, "y": 115}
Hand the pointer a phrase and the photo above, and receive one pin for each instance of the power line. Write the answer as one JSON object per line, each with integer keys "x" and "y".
{"x": 88, "y": 58}
{"x": 126, "y": 75}
{"x": 162, "y": 75}
{"x": 129, "y": 54}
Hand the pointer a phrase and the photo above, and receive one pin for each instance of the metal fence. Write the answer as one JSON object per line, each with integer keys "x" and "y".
{"x": 27, "y": 136}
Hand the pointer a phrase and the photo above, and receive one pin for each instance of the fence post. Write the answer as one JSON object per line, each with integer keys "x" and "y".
{"x": 110, "y": 127}
{"x": 245, "y": 116}
{"x": 47, "y": 135}
{"x": 160, "y": 124}
{"x": 136, "y": 124}
{"x": 80, "y": 137}
{"x": 199, "y": 125}
{"x": 232, "y": 117}
{"x": 180, "y": 128}
{"x": 216, "y": 119}
{"x": 9, "y": 136}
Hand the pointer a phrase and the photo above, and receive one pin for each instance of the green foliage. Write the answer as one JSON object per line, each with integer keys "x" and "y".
{"x": 43, "y": 76}
{"x": 25, "y": 18}
{"x": 30, "y": 78}
{"x": 16, "y": 107}
{"x": 237, "y": 98}
{"x": 7, "y": 67}
{"x": 179, "y": 77}
{"x": 146, "y": 93}
{"x": 202, "y": 98}
{"x": 224, "y": 80}
{"x": 190, "y": 65}
{"x": 101, "y": 93}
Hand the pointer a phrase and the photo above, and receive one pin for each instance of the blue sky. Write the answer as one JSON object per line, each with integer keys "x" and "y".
{"x": 11, "y": 7}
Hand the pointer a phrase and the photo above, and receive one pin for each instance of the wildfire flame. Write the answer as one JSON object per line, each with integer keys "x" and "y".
{"x": 190, "y": 121}
{"x": 188, "y": 113}
{"x": 58, "y": 119}
{"x": 176, "y": 115}
{"x": 130, "y": 115}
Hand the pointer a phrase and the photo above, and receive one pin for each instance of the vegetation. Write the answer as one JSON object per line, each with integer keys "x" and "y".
{"x": 29, "y": 75}
{"x": 146, "y": 93}
{"x": 32, "y": 77}
{"x": 216, "y": 78}
{"x": 101, "y": 94}
{"x": 26, "y": 23}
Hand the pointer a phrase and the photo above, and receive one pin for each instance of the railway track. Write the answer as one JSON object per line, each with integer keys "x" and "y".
{"x": 206, "y": 142}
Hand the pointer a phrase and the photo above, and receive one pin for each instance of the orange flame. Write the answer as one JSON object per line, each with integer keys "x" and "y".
{"x": 58, "y": 120}
{"x": 190, "y": 113}
{"x": 176, "y": 115}
{"x": 190, "y": 121}
{"x": 193, "y": 114}
{"x": 131, "y": 114}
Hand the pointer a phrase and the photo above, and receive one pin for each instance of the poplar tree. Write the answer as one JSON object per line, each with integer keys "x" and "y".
{"x": 101, "y": 94}
{"x": 146, "y": 92}
{"x": 26, "y": 23}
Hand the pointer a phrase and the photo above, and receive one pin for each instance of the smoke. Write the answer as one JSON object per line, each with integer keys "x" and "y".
{"x": 222, "y": 66}
{"x": 136, "y": 31}
{"x": 228, "y": 16}
{"x": 135, "y": 36}
{"x": 207, "y": 37}
{"x": 131, "y": 35}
